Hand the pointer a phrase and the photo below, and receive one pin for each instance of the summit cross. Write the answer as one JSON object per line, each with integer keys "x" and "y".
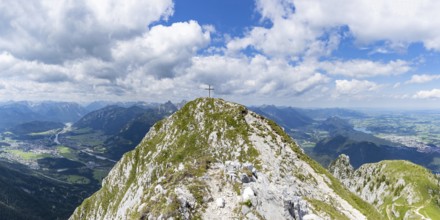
{"x": 209, "y": 90}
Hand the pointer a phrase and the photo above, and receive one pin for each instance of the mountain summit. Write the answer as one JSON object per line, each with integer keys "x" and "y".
{"x": 217, "y": 160}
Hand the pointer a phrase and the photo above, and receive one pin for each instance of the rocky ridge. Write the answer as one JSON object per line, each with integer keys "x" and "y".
{"x": 217, "y": 160}
{"x": 398, "y": 189}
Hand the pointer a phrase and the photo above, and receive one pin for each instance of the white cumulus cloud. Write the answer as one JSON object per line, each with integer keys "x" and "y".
{"x": 256, "y": 75}
{"x": 353, "y": 87}
{"x": 300, "y": 23}
{"x": 428, "y": 94}
{"x": 423, "y": 78}
{"x": 365, "y": 68}
{"x": 108, "y": 48}
{"x": 137, "y": 67}
{"x": 376, "y": 20}
{"x": 57, "y": 30}
{"x": 164, "y": 51}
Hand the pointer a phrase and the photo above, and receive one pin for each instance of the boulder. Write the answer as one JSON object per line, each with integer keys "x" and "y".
{"x": 220, "y": 202}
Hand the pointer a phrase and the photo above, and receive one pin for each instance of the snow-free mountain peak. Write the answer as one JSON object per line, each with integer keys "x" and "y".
{"x": 215, "y": 159}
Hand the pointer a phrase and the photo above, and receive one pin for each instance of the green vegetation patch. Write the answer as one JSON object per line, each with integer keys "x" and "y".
{"x": 75, "y": 179}
{"x": 420, "y": 180}
{"x": 66, "y": 152}
{"x": 99, "y": 174}
{"x": 320, "y": 207}
{"x": 431, "y": 211}
{"x": 44, "y": 133}
{"x": 86, "y": 137}
{"x": 28, "y": 155}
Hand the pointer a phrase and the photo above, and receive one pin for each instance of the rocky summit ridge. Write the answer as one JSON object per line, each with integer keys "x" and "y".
{"x": 215, "y": 159}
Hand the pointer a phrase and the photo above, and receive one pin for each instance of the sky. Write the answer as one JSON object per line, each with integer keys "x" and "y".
{"x": 302, "y": 53}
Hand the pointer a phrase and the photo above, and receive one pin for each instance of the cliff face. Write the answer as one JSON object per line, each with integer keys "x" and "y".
{"x": 398, "y": 189}
{"x": 217, "y": 160}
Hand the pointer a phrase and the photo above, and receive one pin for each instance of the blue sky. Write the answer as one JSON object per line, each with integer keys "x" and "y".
{"x": 304, "y": 53}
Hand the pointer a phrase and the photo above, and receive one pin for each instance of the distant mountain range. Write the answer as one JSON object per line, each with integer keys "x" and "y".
{"x": 324, "y": 113}
{"x": 124, "y": 127}
{"x": 287, "y": 117}
{"x": 292, "y": 118}
{"x": 35, "y": 127}
{"x": 109, "y": 119}
{"x": 146, "y": 105}
{"x": 14, "y": 113}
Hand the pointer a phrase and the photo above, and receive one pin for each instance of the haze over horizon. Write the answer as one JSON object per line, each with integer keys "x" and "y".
{"x": 302, "y": 53}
